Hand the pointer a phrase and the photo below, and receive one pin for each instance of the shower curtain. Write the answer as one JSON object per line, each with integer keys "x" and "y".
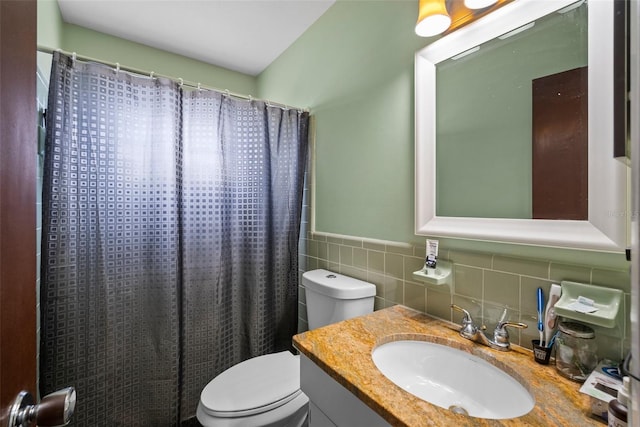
{"x": 170, "y": 238}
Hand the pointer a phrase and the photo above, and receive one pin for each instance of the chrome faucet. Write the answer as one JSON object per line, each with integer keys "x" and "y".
{"x": 471, "y": 331}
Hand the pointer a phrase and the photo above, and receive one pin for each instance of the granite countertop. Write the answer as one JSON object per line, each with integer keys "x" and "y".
{"x": 343, "y": 350}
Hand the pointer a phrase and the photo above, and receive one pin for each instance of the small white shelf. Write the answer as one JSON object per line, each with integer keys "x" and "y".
{"x": 439, "y": 276}
{"x": 606, "y": 300}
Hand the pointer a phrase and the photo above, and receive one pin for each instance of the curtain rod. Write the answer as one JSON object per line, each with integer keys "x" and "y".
{"x": 182, "y": 82}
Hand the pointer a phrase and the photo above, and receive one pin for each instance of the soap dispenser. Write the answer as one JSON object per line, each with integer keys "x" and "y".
{"x": 618, "y": 407}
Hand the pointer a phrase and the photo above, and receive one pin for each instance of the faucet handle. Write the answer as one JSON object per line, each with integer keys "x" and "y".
{"x": 468, "y": 330}
{"x": 504, "y": 323}
{"x": 467, "y": 320}
{"x": 467, "y": 317}
{"x": 501, "y": 334}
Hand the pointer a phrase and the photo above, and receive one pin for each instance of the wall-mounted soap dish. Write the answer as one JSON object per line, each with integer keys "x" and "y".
{"x": 439, "y": 276}
{"x": 602, "y": 306}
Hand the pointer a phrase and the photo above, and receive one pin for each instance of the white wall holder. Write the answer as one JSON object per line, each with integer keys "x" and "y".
{"x": 439, "y": 276}
{"x": 606, "y": 301}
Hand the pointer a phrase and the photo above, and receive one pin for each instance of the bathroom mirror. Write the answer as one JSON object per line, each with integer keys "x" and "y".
{"x": 604, "y": 222}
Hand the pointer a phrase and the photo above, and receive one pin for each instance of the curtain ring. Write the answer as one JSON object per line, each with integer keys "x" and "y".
{"x": 181, "y": 81}
{"x": 151, "y": 74}
{"x": 199, "y": 88}
{"x": 117, "y": 67}
{"x": 226, "y": 92}
{"x": 73, "y": 57}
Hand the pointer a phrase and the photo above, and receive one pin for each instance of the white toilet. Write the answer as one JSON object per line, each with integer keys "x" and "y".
{"x": 265, "y": 390}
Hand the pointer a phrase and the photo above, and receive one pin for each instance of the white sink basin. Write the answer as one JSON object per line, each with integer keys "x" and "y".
{"x": 452, "y": 379}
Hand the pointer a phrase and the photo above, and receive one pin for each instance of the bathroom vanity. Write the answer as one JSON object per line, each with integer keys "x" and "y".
{"x": 341, "y": 379}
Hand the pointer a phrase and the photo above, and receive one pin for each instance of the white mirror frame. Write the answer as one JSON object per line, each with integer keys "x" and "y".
{"x": 606, "y": 228}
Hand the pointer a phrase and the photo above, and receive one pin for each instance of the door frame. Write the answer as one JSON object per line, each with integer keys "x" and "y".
{"x": 18, "y": 137}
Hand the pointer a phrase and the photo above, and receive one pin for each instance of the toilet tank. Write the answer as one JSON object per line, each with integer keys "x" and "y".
{"x": 332, "y": 297}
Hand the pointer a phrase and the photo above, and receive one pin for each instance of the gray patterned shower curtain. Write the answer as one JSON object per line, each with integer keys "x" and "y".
{"x": 170, "y": 239}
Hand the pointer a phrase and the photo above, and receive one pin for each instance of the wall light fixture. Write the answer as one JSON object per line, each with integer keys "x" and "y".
{"x": 433, "y": 18}
{"x": 479, "y": 4}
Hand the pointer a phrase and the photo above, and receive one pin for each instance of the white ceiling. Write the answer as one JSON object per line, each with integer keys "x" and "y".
{"x": 241, "y": 35}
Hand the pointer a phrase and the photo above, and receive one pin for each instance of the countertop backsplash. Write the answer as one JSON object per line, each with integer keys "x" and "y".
{"x": 483, "y": 283}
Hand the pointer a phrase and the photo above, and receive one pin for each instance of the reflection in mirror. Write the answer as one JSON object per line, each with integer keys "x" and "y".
{"x": 487, "y": 108}
{"x": 497, "y": 155}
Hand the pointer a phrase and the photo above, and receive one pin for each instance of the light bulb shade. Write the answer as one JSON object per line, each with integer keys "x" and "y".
{"x": 432, "y": 18}
{"x": 478, "y": 4}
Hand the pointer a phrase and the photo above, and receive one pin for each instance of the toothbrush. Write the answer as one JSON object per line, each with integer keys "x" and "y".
{"x": 540, "y": 319}
{"x": 550, "y": 318}
{"x": 553, "y": 339}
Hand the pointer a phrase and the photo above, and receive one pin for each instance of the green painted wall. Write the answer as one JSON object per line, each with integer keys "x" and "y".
{"x": 54, "y": 33}
{"x": 114, "y": 49}
{"x": 354, "y": 69}
{"x": 49, "y": 33}
{"x": 50, "y": 24}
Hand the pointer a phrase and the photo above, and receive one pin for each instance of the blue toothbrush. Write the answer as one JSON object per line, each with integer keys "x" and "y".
{"x": 540, "y": 314}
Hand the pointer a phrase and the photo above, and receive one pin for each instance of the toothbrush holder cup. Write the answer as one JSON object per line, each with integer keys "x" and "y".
{"x": 541, "y": 354}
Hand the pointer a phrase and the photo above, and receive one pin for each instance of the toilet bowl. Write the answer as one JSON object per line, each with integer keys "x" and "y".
{"x": 261, "y": 391}
{"x": 265, "y": 390}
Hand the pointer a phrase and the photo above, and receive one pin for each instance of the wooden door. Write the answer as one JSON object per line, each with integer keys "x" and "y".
{"x": 17, "y": 200}
{"x": 560, "y": 146}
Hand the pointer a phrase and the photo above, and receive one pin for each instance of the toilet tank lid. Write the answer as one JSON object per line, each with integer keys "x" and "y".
{"x": 337, "y": 285}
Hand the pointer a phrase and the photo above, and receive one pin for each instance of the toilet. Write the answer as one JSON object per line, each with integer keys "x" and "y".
{"x": 265, "y": 390}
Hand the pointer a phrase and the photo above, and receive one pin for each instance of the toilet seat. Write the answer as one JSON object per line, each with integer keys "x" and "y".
{"x": 254, "y": 386}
